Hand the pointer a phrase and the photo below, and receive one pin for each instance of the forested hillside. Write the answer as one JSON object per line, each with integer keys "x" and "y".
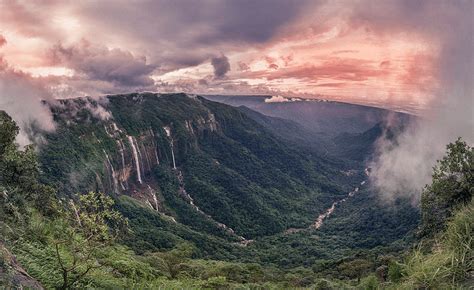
{"x": 175, "y": 191}
{"x": 332, "y": 129}
{"x": 323, "y": 118}
{"x": 199, "y": 162}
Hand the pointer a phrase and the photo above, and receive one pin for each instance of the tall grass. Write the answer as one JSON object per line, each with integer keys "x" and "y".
{"x": 450, "y": 263}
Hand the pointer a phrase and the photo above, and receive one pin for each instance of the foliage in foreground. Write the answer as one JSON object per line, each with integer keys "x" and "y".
{"x": 451, "y": 261}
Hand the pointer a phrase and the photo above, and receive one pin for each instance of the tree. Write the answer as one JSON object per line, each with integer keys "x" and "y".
{"x": 452, "y": 186}
{"x": 356, "y": 268}
{"x": 81, "y": 239}
{"x": 172, "y": 263}
{"x": 8, "y": 131}
{"x": 19, "y": 174}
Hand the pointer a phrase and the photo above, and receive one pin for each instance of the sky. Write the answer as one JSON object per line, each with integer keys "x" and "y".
{"x": 412, "y": 56}
{"x": 383, "y": 53}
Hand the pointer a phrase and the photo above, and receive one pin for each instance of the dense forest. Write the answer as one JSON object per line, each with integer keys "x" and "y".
{"x": 173, "y": 192}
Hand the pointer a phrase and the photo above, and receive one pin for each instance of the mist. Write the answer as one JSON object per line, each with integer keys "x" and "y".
{"x": 20, "y": 97}
{"x": 403, "y": 166}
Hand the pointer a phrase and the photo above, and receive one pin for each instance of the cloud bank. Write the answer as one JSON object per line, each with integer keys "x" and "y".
{"x": 404, "y": 166}
{"x": 281, "y": 99}
{"x": 20, "y": 97}
{"x": 292, "y": 48}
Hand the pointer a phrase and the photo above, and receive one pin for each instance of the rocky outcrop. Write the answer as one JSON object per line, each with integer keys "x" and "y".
{"x": 12, "y": 274}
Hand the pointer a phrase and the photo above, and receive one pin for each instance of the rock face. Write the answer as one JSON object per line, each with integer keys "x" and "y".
{"x": 129, "y": 171}
{"x": 12, "y": 274}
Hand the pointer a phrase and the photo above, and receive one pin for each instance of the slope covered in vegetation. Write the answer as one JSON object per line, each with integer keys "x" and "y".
{"x": 188, "y": 151}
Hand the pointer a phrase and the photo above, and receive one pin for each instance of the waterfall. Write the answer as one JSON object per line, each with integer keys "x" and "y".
{"x": 135, "y": 157}
{"x": 155, "y": 199}
{"x": 156, "y": 154}
{"x": 157, "y": 204}
{"x": 137, "y": 147}
{"x": 107, "y": 132}
{"x": 147, "y": 158}
{"x": 114, "y": 175}
{"x": 116, "y": 128}
{"x": 113, "y": 131}
{"x": 122, "y": 155}
{"x": 154, "y": 146}
{"x": 172, "y": 155}
{"x": 149, "y": 204}
{"x": 168, "y": 133}
{"x": 122, "y": 151}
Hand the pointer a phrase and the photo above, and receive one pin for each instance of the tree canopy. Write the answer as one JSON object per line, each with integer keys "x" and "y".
{"x": 452, "y": 186}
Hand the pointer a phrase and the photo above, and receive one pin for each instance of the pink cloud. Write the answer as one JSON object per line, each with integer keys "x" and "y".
{"x": 333, "y": 68}
{"x": 388, "y": 48}
{"x": 243, "y": 66}
{"x": 3, "y": 41}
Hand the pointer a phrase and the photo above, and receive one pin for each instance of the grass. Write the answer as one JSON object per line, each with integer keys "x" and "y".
{"x": 449, "y": 265}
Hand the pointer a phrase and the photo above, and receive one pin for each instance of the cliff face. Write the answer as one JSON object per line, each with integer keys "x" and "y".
{"x": 131, "y": 146}
{"x": 188, "y": 159}
{"x": 129, "y": 166}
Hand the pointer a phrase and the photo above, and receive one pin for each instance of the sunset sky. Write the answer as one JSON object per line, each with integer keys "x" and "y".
{"x": 385, "y": 53}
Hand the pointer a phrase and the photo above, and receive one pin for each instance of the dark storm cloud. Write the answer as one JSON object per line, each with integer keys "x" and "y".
{"x": 221, "y": 66}
{"x": 244, "y": 20}
{"x": 183, "y": 33}
{"x": 249, "y": 20}
{"x": 116, "y": 66}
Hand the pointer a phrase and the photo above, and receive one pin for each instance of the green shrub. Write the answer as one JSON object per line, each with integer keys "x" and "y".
{"x": 369, "y": 283}
{"x": 216, "y": 283}
{"x": 395, "y": 272}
